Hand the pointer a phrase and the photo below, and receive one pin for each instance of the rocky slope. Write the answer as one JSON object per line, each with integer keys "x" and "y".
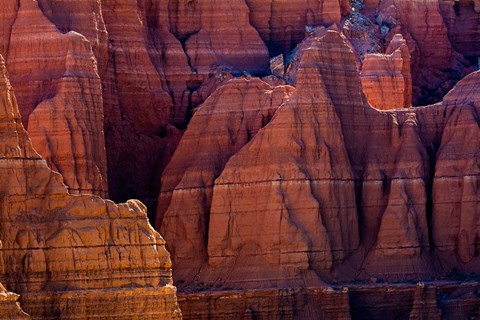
{"x": 72, "y": 256}
{"x": 313, "y": 173}
{"x": 154, "y": 55}
{"x": 332, "y": 189}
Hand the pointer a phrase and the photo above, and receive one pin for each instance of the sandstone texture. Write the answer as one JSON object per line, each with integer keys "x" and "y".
{"x": 310, "y": 159}
{"x": 72, "y": 256}
{"x": 281, "y": 24}
{"x": 60, "y": 98}
{"x": 152, "y": 56}
{"x": 9, "y": 306}
{"x": 435, "y": 300}
{"x": 331, "y": 188}
{"x": 386, "y": 78}
{"x": 225, "y": 123}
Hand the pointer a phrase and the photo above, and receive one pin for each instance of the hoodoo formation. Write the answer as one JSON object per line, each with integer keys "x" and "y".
{"x": 297, "y": 159}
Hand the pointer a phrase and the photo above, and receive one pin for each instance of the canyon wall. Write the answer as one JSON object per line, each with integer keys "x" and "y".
{"x": 318, "y": 174}
{"x": 330, "y": 182}
{"x": 152, "y": 57}
{"x": 72, "y": 256}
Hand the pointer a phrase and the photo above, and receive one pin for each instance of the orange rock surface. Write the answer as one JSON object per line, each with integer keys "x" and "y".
{"x": 434, "y": 62}
{"x": 60, "y": 98}
{"x": 9, "y": 307}
{"x": 225, "y": 123}
{"x": 260, "y": 185}
{"x": 152, "y": 56}
{"x": 333, "y": 187}
{"x": 386, "y": 78}
{"x": 73, "y": 256}
{"x": 281, "y": 24}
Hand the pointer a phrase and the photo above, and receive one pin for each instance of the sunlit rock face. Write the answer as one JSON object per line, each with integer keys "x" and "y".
{"x": 72, "y": 256}
{"x": 297, "y": 156}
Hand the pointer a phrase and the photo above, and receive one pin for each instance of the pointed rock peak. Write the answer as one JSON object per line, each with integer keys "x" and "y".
{"x": 466, "y": 91}
{"x": 328, "y": 70}
{"x": 396, "y": 42}
{"x": 15, "y": 142}
{"x": 386, "y": 78}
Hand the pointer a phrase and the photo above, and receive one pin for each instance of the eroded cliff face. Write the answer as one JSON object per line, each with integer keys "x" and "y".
{"x": 296, "y": 180}
{"x": 152, "y": 57}
{"x": 332, "y": 189}
{"x": 59, "y": 93}
{"x": 72, "y": 256}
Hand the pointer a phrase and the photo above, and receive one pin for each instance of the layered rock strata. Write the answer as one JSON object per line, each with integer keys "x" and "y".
{"x": 435, "y": 64}
{"x": 429, "y": 300}
{"x": 74, "y": 256}
{"x": 152, "y": 56}
{"x": 60, "y": 97}
{"x": 224, "y": 124}
{"x": 332, "y": 189}
{"x": 281, "y": 24}
{"x": 386, "y": 78}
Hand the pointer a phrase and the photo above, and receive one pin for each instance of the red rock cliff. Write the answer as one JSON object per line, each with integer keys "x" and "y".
{"x": 331, "y": 184}
{"x": 73, "y": 256}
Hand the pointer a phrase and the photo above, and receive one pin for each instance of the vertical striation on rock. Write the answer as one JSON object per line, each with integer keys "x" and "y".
{"x": 386, "y": 78}
{"x": 456, "y": 219}
{"x": 287, "y": 199}
{"x": 59, "y": 93}
{"x": 333, "y": 189}
{"x": 225, "y": 123}
{"x": 74, "y": 256}
{"x": 152, "y": 56}
{"x": 281, "y": 24}
{"x": 462, "y": 19}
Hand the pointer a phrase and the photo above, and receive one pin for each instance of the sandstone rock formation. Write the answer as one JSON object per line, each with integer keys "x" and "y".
{"x": 226, "y": 122}
{"x": 281, "y": 24}
{"x": 262, "y": 185}
{"x": 152, "y": 56}
{"x": 73, "y": 256}
{"x": 333, "y": 187}
{"x": 421, "y": 300}
{"x": 60, "y": 98}
{"x": 434, "y": 61}
{"x": 386, "y": 78}
{"x": 9, "y": 307}
{"x": 462, "y": 19}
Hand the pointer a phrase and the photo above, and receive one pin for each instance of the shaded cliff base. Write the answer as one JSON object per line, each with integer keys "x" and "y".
{"x": 421, "y": 300}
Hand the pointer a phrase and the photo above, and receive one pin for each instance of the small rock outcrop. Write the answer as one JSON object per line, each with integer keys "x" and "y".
{"x": 386, "y": 78}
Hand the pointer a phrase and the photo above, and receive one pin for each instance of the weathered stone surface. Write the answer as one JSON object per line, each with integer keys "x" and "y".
{"x": 226, "y": 122}
{"x": 9, "y": 307}
{"x": 293, "y": 303}
{"x": 386, "y": 78}
{"x": 456, "y": 219}
{"x": 309, "y": 218}
{"x": 277, "y": 66}
{"x": 60, "y": 98}
{"x": 463, "y": 22}
{"x": 434, "y": 62}
{"x": 74, "y": 256}
{"x": 152, "y": 56}
{"x": 333, "y": 187}
{"x": 281, "y": 24}
{"x": 429, "y": 300}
